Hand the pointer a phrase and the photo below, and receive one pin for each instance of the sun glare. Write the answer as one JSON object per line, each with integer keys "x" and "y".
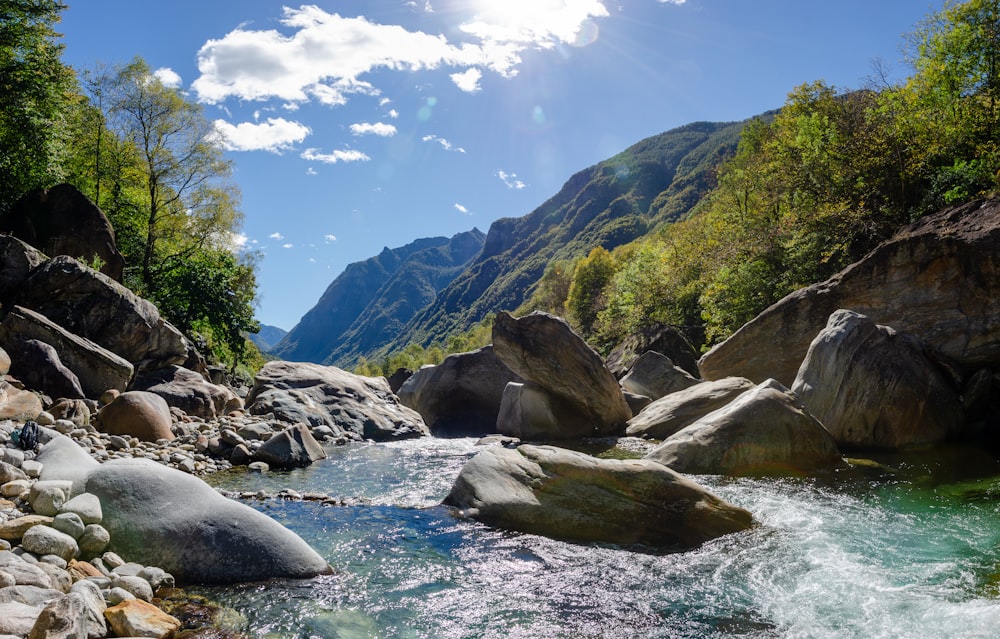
{"x": 541, "y": 22}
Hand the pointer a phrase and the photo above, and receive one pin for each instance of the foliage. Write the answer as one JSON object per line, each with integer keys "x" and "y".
{"x": 586, "y": 296}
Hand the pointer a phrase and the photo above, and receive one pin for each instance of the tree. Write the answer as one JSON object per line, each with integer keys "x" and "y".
{"x": 586, "y": 291}
{"x": 34, "y": 85}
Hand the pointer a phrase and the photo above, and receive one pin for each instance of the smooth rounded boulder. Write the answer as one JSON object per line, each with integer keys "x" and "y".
{"x": 189, "y": 391}
{"x": 291, "y": 448}
{"x": 654, "y": 375}
{"x": 139, "y": 414}
{"x": 568, "y": 495}
{"x": 669, "y": 414}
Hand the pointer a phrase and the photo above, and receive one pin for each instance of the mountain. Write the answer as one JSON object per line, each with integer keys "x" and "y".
{"x": 267, "y": 337}
{"x": 367, "y": 304}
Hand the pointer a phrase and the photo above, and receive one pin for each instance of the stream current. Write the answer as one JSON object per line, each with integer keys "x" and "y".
{"x": 909, "y": 548}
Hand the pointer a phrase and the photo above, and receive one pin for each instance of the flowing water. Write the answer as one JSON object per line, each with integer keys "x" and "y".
{"x": 907, "y": 549}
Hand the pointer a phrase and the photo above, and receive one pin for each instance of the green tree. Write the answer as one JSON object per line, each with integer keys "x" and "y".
{"x": 586, "y": 296}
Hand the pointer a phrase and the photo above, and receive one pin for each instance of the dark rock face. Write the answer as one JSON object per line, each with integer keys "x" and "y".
{"x": 658, "y": 338}
{"x": 63, "y": 221}
{"x": 875, "y": 388}
{"x": 38, "y": 366}
{"x": 17, "y": 261}
{"x": 291, "y": 448}
{"x": 461, "y": 396}
{"x": 937, "y": 279}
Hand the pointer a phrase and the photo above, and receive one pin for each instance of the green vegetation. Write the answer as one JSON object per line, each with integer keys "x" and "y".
{"x": 148, "y": 157}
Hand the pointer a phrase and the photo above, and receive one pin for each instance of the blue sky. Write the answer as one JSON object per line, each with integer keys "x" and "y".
{"x": 358, "y": 125}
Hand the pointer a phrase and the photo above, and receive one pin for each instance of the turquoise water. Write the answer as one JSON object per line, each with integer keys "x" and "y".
{"x": 910, "y": 549}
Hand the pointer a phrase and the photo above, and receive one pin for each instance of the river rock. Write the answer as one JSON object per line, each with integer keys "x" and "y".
{"x": 9, "y": 473}
{"x": 163, "y": 517}
{"x": 94, "y": 540}
{"x": 765, "y": 431}
{"x": 139, "y": 414}
{"x": 137, "y": 618}
{"x": 43, "y": 540}
{"x": 875, "y": 388}
{"x": 669, "y": 414}
{"x": 75, "y": 410}
{"x": 38, "y": 366}
{"x": 62, "y": 618}
{"x": 17, "y": 619}
{"x": 64, "y": 460}
{"x": 86, "y": 506}
{"x": 568, "y": 495}
{"x": 189, "y": 391}
{"x": 18, "y": 405}
{"x": 654, "y": 375}
{"x": 47, "y": 497}
{"x": 937, "y": 279}
{"x": 543, "y": 349}
{"x": 14, "y": 529}
{"x": 94, "y": 607}
{"x": 69, "y": 523}
{"x": 658, "y": 338}
{"x": 291, "y": 448}
{"x": 303, "y": 393}
{"x": 17, "y": 260}
{"x": 96, "y": 368}
{"x": 461, "y": 396}
{"x": 530, "y": 412}
{"x": 133, "y": 584}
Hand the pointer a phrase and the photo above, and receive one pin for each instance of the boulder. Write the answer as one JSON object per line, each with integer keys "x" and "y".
{"x": 297, "y": 392}
{"x": 669, "y": 414}
{"x": 94, "y": 306}
{"x": 654, "y": 375}
{"x": 17, "y": 261}
{"x": 93, "y": 607}
{"x": 18, "y": 405}
{"x": 291, "y": 448}
{"x": 543, "y": 349}
{"x": 64, "y": 460}
{"x": 136, "y": 414}
{"x": 63, "y": 221}
{"x": 85, "y": 506}
{"x": 875, "y": 388}
{"x": 17, "y": 619}
{"x": 531, "y": 413}
{"x": 567, "y": 495}
{"x": 460, "y": 396}
{"x": 659, "y": 338}
{"x": 14, "y": 529}
{"x": 765, "y": 431}
{"x": 189, "y": 391}
{"x": 163, "y": 517}
{"x": 4, "y": 362}
{"x": 96, "y": 368}
{"x": 43, "y": 540}
{"x": 937, "y": 279}
{"x": 137, "y": 618}
{"x": 38, "y": 366}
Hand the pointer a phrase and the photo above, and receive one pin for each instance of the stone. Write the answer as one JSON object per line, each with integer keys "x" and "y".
{"x": 32, "y": 468}
{"x": 937, "y": 279}
{"x": 461, "y": 396}
{"x": 69, "y": 523}
{"x": 18, "y": 405}
{"x": 543, "y": 349}
{"x": 157, "y": 577}
{"x": 654, "y": 375}
{"x": 257, "y": 431}
{"x": 163, "y": 517}
{"x": 189, "y": 391}
{"x": 135, "y": 585}
{"x": 64, "y": 460}
{"x": 636, "y": 403}
{"x": 567, "y": 495}
{"x": 17, "y": 260}
{"x": 74, "y": 410}
{"x": 81, "y": 570}
{"x": 17, "y": 618}
{"x": 86, "y": 506}
{"x": 530, "y": 412}
{"x": 291, "y": 448}
{"x": 47, "y": 498}
{"x": 658, "y": 338}
{"x": 669, "y": 414}
{"x": 14, "y": 529}
{"x": 29, "y": 595}
{"x": 9, "y": 473}
{"x": 139, "y": 414}
{"x": 62, "y": 618}
{"x": 6, "y": 580}
{"x": 875, "y": 388}
{"x": 43, "y": 540}
{"x": 94, "y": 607}
{"x": 764, "y": 432}
{"x": 24, "y": 573}
{"x": 136, "y": 618}
{"x": 304, "y": 393}
{"x": 58, "y": 577}
{"x": 116, "y": 596}
{"x": 39, "y": 367}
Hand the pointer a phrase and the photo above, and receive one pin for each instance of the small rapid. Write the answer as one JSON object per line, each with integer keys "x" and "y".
{"x": 910, "y": 548}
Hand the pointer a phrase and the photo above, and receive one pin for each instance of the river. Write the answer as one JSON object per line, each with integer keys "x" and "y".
{"x": 908, "y": 548}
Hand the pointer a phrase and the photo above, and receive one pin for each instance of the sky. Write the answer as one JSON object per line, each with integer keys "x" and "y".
{"x": 354, "y": 126}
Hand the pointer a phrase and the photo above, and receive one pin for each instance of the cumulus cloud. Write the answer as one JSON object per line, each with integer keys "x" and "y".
{"x": 511, "y": 180}
{"x": 330, "y": 238}
{"x": 338, "y": 155}
{"x": 393, "y": 113}
{"x": 445, "y": 144}
{"x": 168, "y": 77}
{"x": 672, "y": 1}
{"x": 276, "y": 236}
{"x": 274, "y": 135}
{"x": 287, "y": 246}
{"x": 533, "y": 23}
{"x": 461, "y": 209}
{"x": 468, "y": 80}
{"x": 379, "y": 128}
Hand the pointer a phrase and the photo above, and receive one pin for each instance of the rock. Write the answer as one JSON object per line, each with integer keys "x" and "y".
{"x": 62, "y": 618}
{"x": 74, "y": 410}
{"x": 530, "y": 412}
{"x": 63, "y": 221}
{"x": 568, "y": 495}
{"x": 47, "y": 498}
{"x": 29, "y": 595}
{"x": 138, "y": 586}
{"x": 58, "y": 577}
{"x": 139, "y": 414}
{"x": 97, "y": 368}
{"x": 636, "y": 403}
{"x": 86, "y": 506}
{"x": 765, "y": 431}
{"x": 460, "y": 396}
{"x": 303, "y": 393}
{"x": 937, "y": 279}
{"x": 4, "y": 362}
{"x": 291, "y": 448}
{"x": 9, "y": 473}
{"x": 17, "y": 618}
{"x": 94, "y": 540}
{"x": 116, "y": 596}
{"x": 397, "y": 379}
{"x": 64, "y": 460}
{"x": 24, "y": 573}
{"x": 189, "y": 391}
{"x": 43, "y": 540}
{"x": 658, "y": 338}
{"x": 669, "y": 414}
{"x": 69, "y": 523}
{"x": 544, "y": 350}
{"x": 15, "y": 488}
{"x": 259, "y": 431}
{"x": 14, "y": 529}
{"x": 38, "y": 366}
{"x": 163, "y": 517}
{"x": 136, "y": 618}
{"x": 17, "y": 261}
{"x": 94, "y": 306}
{"x": 18, "y": 405}
{"x": 94, "y": 607}
{"x": 654, "y": 375}
{"x": 875, "y": 388}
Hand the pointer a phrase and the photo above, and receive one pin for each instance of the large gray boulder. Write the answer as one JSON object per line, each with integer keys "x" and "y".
{"x": 531, "y": 413}
{"x": 291, "y": 448}
{"x": 669, "y": 414}
{"x": 64, "y": 460}
{"x": 937, "y": 279}
{"x": 654, "y": 375}
{"x": 875, "y": 388}
{"x": 17, "y": 261}
{"x": 765, "y": 431}
{"x": 189, "y": 391}
{"x": 37, "y": 365}
{"x": 460, "y": 396}
{"x": 544, "y": 350}
{"x": 297, "y": 392}
{"x": 163, "y": 517}
{"x": 659, "y": 338}
{"x": 567, "y": 495}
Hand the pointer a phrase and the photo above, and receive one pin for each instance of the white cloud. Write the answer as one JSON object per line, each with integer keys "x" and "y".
{"x": 274, "y": 135}
{"x": 468, "y": 80}
{"x": 276, "y": 236}
{"x": 445, "y": 144}
{"x": 330, "y": 238}
{"x": 510, "y": 179}
{"x": 379, "y": 128}
{"x": 393, "y": 113}
{"x": 311, "y": 171}
{"x": 542, "y": 24}
{"x": 461, "y": 209}
{"x": 677, "y": 2}
{"x": 287, "y": 246}
{"x": 345, "y": 155}
{"x": 168, "y": 77}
